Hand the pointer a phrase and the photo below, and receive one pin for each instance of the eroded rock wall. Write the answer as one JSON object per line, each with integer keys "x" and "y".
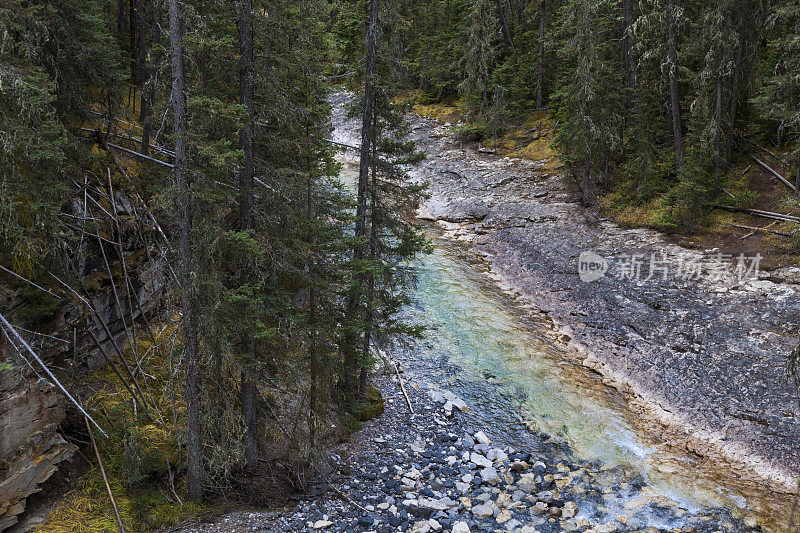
{"x": 31, "y": 408}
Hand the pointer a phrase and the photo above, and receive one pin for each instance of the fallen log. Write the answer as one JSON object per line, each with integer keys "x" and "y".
{"x": 765, "y": 229}
{"x": 774, "y": 173}
{"x": 103, "y": 472}
{"x": 757, "y": 212}
{"x": 140, "y": 155}
{"x": 155, "y": 147}
{"x": 403, "y": 388}
{"x": 341, "y": 144}
{"x": 26, "y": 280}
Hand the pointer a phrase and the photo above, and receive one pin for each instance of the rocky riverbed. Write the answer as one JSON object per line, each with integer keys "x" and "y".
{"x": 430, "y": 471}
{"x": 612, "y": 405}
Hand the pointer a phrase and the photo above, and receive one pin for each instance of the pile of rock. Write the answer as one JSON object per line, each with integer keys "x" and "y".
{"x": 428, "y": 473}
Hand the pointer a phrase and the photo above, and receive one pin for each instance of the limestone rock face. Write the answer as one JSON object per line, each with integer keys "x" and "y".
{"x": 31, "y": 408}
{"x": 30, "y": 446}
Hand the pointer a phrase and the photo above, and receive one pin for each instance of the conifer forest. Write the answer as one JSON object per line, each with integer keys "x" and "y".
{"x": 390, "y": 265}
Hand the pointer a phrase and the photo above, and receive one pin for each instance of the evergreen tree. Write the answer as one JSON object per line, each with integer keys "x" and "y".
{"x": 477, "y": 60}
{"x": 56, "y": 61}
{"x": 195, "y": 472}
{"x": 588, "y": 99}
{"x": 780, "y": 95}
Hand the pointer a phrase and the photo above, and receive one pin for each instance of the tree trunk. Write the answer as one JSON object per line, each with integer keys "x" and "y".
{"x": 373, "y": 255}
{"x": 797, "y": 171}
{"x": 133, "y": 19}
{"x": 312, "y": 311}
{"x": 540, "y": 65}
{"x": 121, "y": 29}
{"x": 368, "y": 104}
{"x": 248, "y": 387}
{"x": 501, "y": 15}
{"x": 674, "y": 98}
{"x": 587, "y": 197}
{"x": 718, "y": 118}
{"x": 194, "y": 475}
{"x": 147, "y": 92}
{"x": 246, "y": 98}
{"x": 630, "y": 59}
{"x": 734, "y": 110}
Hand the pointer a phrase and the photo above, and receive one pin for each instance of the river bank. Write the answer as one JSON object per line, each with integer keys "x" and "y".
{"x": 540, "y": 433}
{"x": 701, "y": 360}
{"x": 433, "y": 470}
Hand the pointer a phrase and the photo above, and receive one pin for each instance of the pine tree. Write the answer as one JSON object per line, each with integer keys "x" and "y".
{"x": 248, "y": 386}
{"x": 194, "y": 452}
{"x": 587, "y": 101}
{"x": 780, "y": 96}
{"x": 477, "y": 59}
{"x": 673, "y": 16}
{"x": 56, "y": 61}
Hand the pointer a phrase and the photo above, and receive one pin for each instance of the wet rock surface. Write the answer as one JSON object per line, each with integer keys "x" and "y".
{"x": 419, "y": 473}
{"x": 703, "y": 359}
{"x": 474, "y": 464}
{"x": 706, "y": 357}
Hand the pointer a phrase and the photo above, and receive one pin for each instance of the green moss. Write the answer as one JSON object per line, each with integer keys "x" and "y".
{"x": 371, "y": 408}
{"x": 87, "y": 508}
{"x": 140, "y": 456}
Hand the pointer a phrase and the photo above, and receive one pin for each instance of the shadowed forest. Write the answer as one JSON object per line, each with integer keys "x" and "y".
{"x": 197, "y": 298}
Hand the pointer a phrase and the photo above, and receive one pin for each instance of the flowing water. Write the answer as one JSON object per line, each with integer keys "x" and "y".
{"x": 486, "y": 338}
{"x": 512, "y": 369}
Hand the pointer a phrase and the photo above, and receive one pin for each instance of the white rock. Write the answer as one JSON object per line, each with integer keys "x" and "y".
{"x": 482, "y": 438}
{"x": 496, "y": 454}
{"x": 569, "y": 510}
{"x": 490, "y": 476}
{"x": 414, "y": 474}
{"x": 421, "y": 527}
{"x": 503, "y": 499}
{"x": 460, "y": 527}
{"x": 435, "y": 525}
{"x": 484, "y": 510}
{"x": 463, "y": 488}
{"x": 480, "y": 460}
{"x": 448, "y": 408}
{"x": 504, "y": 516}
{"x": 459, "y": 404}
{"x": 527, "y": 482}
{"x": 540, "y": 507}
{"x": 436, "y": 396}
{"x": 441, "y": 504}
{"x": 322, "y": 524}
